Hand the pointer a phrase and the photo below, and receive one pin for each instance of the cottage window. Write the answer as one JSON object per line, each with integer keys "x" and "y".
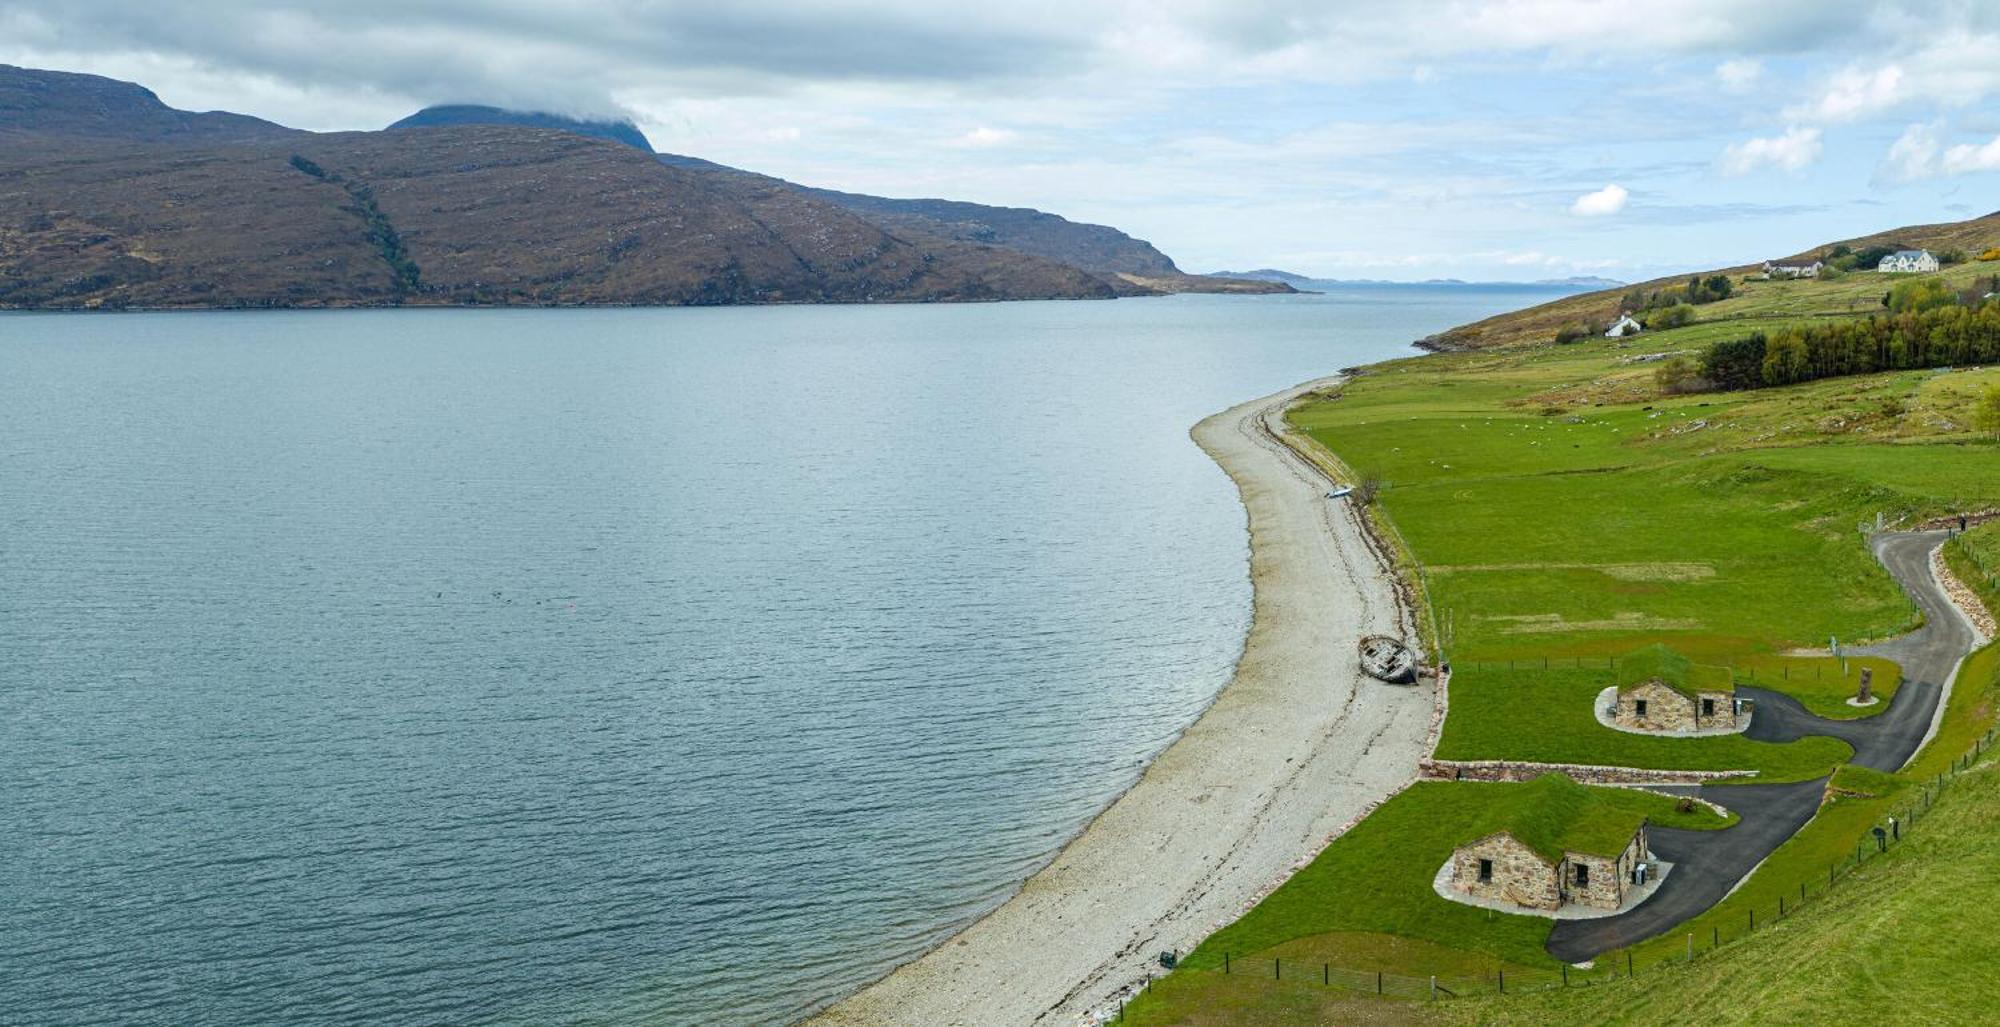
{"x": 1582, "y": 875}
{"x": 1639, "y": 706}
{"x": 1708, "y": 707}
{"x": 1485, "y": 871}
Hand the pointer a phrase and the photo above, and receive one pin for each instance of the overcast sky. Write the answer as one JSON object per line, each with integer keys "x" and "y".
{"x": 1511, "y": 139}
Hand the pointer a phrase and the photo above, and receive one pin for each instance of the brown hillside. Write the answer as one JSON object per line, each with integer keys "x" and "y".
{"x": 486, "y": 214}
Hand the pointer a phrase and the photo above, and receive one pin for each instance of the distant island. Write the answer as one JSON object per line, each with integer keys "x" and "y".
{"x": 1299, "y": 281}
{"x": 120, "y": 201}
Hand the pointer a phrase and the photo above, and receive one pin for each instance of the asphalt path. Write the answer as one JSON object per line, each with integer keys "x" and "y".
{"x": 1708, "y": 864}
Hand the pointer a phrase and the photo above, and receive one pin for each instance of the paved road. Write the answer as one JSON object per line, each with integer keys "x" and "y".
{"x": 1710, "y": 863}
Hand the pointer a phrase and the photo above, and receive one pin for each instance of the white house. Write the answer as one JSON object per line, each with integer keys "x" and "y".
{"x": 1622, "y": 327}
{"x": 1906, "y": 261}
{"x": 1773, "y": 269}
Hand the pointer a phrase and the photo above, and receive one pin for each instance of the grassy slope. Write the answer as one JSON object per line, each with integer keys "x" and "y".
{"x": 1724, "y": 524}
{"x": 1537, "y": 325}
{"x": 1378, "y": 879}
{"x": 1887, "y": 941}
{"x": 1894, "y": 942}
{"x": 1560, "y": 508}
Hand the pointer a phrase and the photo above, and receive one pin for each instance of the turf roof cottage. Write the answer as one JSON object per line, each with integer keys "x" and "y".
{"x": 1561, "y": 848}
{"x": 1661, "y": 690}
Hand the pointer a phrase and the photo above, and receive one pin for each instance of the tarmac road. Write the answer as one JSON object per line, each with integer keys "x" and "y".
{"x": 1708, "y": 864}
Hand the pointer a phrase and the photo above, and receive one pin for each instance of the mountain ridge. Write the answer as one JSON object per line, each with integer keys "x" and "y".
{"x": 109, "y": 198}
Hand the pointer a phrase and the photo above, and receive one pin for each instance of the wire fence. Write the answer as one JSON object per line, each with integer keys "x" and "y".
{"x": 1747, "y": 918}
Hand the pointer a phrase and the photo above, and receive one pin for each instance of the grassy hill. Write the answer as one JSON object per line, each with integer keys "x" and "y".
{"x": 1858, "y": 292}
{"x": 1557, "y": 506}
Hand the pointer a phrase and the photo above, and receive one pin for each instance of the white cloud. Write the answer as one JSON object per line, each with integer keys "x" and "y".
{"x": 1855, "y": 94}
{"x": 1912, "y": 156}
{"x": 984, "y": 136}
{"x": 1606, "y": 201}
{"x": 1920, "y": 153}
{"x": 1793, "y": 151}
{"x": 1739, "y": 75}
{"x": 1963, "y": 158}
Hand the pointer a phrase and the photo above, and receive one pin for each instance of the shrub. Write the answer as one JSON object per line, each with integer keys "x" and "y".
{"x": 1677, "y": 375}
{"x": 1987, "y": 414}
{"x": 1991, "y": 253}
{"x": 1946, "y": 258}
{"x": 1918, "y": 295}
{"x": 1577, "y": 331}
{"x": 1671, "y": 317}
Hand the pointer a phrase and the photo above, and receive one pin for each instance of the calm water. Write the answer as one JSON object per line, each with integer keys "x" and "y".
{"x": 684, "y": 666}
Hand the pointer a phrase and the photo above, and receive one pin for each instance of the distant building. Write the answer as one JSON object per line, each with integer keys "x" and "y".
{"x": 1777, "y": 269}
{"x": 1908, "y": 261}
{"x": 1659, "y": 690}
{"x": 1622, "y": 327}
{"x": 1561, "y": 847}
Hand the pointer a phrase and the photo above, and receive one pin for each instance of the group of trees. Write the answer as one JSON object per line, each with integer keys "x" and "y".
{"x": 1941, "y": 336}
{"x": 1697, "y": 290}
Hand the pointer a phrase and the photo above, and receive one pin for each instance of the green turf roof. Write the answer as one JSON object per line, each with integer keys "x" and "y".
{"x": 1658, "y": 663}
{"x": 1553, "y": 814}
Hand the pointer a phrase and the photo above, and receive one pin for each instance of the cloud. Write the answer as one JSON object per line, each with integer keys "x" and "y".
{"x": 1965, "y": 157}
{"x": 1606, "y": 201}
{"x": 1920, "y": 153}
{"x": 1913, "y": 156}
{"x": 1854, "y": 94}
{"x": 1793, "y": 151}
{"x": 1740, "y": 74}
{"x": 983, "y": 137}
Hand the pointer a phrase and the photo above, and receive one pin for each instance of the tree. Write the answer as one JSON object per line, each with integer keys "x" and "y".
{"x": 1918, "y": 295}
{"x": 1987, "y": 414}
{"x": 1785, "y": 360}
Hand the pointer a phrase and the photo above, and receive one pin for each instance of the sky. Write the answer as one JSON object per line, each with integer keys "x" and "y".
{"x": 1495, "y": 140}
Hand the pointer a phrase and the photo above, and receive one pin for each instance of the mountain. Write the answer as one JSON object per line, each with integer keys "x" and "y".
{"x": 474, "y": 114}
{"x": 91, "y": 106}
{"x": 1267, "y": 274}
{"x": 109, "y": 198}
{"x": 1132, "y": 267}
{"x": 1589, "y": 281}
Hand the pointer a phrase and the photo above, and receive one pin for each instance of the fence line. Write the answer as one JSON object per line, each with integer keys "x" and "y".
{"x": 1887, "y": 832}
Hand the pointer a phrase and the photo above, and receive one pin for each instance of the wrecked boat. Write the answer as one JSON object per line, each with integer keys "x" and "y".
{"x": 1388, "y": 659}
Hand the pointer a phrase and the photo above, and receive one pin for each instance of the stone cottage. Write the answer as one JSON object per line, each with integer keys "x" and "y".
{"x": 1660, "y": 690}
{"x": 1559, "y": 849}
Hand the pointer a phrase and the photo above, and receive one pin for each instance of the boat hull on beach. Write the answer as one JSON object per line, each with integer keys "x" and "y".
{"x": 1295, "y": 748}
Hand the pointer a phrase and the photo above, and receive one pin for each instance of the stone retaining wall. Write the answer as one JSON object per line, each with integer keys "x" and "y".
{"x": 1963, "y": 597}
{"x": 1511, "y": 770}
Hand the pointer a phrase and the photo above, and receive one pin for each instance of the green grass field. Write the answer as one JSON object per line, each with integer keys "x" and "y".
{"x": 1377, "y": 878}
{"x": 1555, "y": 506}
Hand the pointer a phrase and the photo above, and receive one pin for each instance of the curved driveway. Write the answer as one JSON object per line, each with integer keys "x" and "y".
{"x": 1708, "y": 864}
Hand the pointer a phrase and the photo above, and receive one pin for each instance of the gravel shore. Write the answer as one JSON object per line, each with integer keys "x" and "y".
{"x": 1295, "y": 748}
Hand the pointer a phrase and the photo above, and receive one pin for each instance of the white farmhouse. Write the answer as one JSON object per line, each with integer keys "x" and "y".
{"x": 1907, "y": 261}
{"x": 1624, "y": 326}
{"x": 1775, "y": 269}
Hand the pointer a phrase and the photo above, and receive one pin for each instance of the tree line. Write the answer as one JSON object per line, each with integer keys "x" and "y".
{"x": 1920, "y": 337}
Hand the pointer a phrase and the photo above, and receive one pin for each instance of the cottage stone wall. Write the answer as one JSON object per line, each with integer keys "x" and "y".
{"x": 1669, "y": 710}
{"x": 1520, "y": 875}
{"x": 1666, "y": 709}
{"x": 1610, "y": 878}
{"x": 1724, "y": 715}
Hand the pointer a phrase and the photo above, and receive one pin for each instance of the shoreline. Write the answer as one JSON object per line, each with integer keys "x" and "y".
{"x": 1294, "y": 749}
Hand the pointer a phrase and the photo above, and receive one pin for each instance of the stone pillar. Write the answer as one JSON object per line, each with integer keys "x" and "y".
{"x": 1867, "y": 694}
